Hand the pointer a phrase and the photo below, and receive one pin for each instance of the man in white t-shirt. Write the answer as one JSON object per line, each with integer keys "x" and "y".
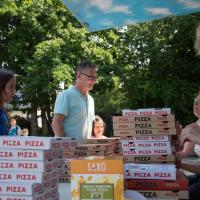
{"x": 74, "y": 108}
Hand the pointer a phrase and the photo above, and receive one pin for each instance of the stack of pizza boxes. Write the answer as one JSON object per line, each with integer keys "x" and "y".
{"x": 149, "y": 160}
{"x": 113, "y": 144}
{"x": 30, "y": 167}
{"x": 87, "y": 149}
{"x": 65, "y": 177}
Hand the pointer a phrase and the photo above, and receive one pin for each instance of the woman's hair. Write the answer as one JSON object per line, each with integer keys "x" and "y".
{"x": 197, "y": 41}
{"x": 5, "y": 77}
{"x": 97, "y": 119}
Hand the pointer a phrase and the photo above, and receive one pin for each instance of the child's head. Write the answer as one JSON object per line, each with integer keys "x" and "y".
{"x": 13, "y": 121}
{"x": 98, "y": 127}
{"x": 25, "y": 132}
{"x": 7, "y": 86}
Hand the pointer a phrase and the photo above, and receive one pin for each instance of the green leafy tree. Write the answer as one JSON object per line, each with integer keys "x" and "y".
{"x": 160, "y": 65}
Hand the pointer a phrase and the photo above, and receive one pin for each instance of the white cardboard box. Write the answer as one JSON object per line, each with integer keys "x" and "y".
{"x": 147, "y": 145}
{"x": 145, "y": 131}
{"x": 32, "y": 166}
{"x": 150, "y": 171}
{"x": 118, "y": 119}
{"x": 143, "y": 125}
{"x": 146, "y": 151}
{"x": 150, "y": 138}
{"x": 20, "y": 188}
{"x": 147, "y": 111}
{"x": 24, "y": 177}
{"x": 31, "y": 142}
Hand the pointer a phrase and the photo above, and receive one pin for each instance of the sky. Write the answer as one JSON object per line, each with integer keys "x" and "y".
{"x": 104, "y": 14}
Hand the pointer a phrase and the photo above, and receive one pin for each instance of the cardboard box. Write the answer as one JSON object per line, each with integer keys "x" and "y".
{"x": 181, "y": 183}
{"x": 165, "y": 194}
{"x": 65, "y": 179}
{"x": 153, "y": 118}
{"x": 147, "y": 145}
{"x": 32, "y": 166}
{"x": 149, "y": 159}
{"x": 146, "y": 138}
{"x": 102, "y": 141}
{"x": 69, "y": 142}
{"x": 149, "y": 171}
{"x": 93, "y": 147}
{"x": 23, "y": 154}
{"x": 147, "y": 112}
{"x": 21, "y": 197}
{"x": 145, "y": 151}
{"x": 97, "y": 179}
{"x": 20, "y": 188}
{"x": 145, "y": 132}
{"x": 67, "y": 163}
{"x": 143, "y": 125}
{"x": 68, "y": 154}
{"x": 55, "y": 196}
{"x": 30, "y": 142}
{"x": 24, "y": 177}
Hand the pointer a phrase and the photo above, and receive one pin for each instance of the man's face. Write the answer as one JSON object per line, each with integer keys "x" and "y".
{"x": 87, "y": 78}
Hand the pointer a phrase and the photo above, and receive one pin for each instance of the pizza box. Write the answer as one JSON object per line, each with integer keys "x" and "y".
{"x": 143, "y": 125}
{"x": 31, "y": 142}
{"x": 149, "y": 158}
{"x": 149, "y": 171}
{"x": 19, "y": 165}
{"x": 147, "y": 111}
{"x": 165, "y": 194}
{"x": 141, "y": 118}
{"x": 150, "y": 138}
{"x": 23, "y": 154}
{"x": 144, "y": 132}
{"x": 181, "y": 183}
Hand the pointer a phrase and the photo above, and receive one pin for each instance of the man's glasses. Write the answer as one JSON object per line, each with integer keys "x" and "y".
{"x": 91, "y": 78}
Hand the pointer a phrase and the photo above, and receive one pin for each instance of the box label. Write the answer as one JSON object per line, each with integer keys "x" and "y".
{"x": 96, "y": 191}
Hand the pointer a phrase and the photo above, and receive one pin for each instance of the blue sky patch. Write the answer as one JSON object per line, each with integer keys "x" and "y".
{"x": 104, "y": 14}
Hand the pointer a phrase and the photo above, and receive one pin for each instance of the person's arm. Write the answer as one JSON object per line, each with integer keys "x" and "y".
{"x": 187, "y": 149}
{"x": 190, "y": 133}
{"x": 194, "y": 168}
{"x": 57, "y": 125}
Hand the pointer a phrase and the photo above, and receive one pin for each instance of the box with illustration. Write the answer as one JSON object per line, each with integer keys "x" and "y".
{"x": 97, "y": 179}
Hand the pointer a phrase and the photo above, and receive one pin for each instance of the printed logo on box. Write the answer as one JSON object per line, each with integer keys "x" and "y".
{"x": 96, "y": 191}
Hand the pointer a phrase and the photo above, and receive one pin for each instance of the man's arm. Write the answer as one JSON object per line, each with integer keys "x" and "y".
{"x": 190, "y": 133}
{"x": 194, "y": 168}
{"x": 57, "y": 125}
{"x": 187, "y": 149}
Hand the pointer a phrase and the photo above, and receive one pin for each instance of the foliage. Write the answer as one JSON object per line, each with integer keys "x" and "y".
{"x": 160, "y": 65}
{"x": 145, "y": 65}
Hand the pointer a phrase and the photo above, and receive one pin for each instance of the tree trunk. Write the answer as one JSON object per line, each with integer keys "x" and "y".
{"x": 44, "y": 123}
{"x": 34, "y": 124}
